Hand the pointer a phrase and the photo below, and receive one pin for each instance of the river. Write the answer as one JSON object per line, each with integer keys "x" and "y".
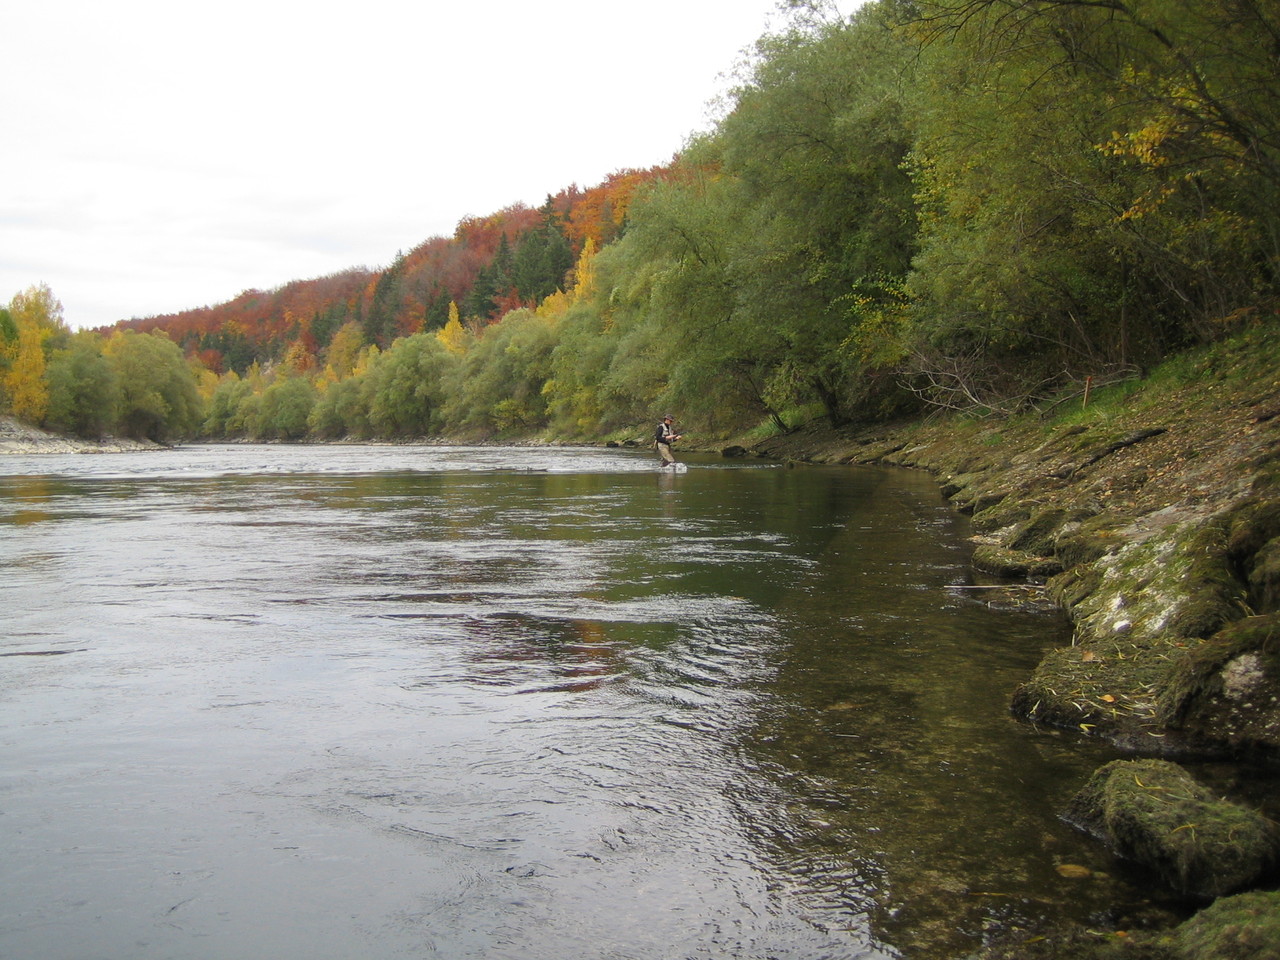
{"x": 423, "y": 701}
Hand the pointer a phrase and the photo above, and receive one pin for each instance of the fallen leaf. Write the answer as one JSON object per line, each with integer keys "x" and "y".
{"x": 1073, "y": 871}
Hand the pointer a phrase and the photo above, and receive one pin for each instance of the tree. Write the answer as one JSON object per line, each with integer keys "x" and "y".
{"x": 284, "y": 409}
{"x": 8, "y": 346}
{"x": 542, "y": 259}
{"x": 223, "y": 412}
{"x": 501, "y": 383}
{"x": 36, "y": 315}
{"x": 342, "y": 410}
{"x": 158, "y": 396}
{"x": 407, "y": 387}
{"x": 1099, "y": 180}
{"x": 381, "y": 322}
{"x": 453, "y": 336}
{"x": 84, "y": 393}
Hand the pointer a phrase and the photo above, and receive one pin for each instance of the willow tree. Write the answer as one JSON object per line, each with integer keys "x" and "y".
{"x": 1096, "y": 183}
{"x": 768, "y": 247}
{"x": 816, "y": 143}
{"x": 500, "y": 385}
{"x": 406, "y": 387}
{"x": 158, "y": 396}
{"x": 83, "y": 390}
{"x": 676, "y": 298}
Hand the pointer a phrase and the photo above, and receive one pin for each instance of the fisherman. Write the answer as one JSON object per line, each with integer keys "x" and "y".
{"x": 664, "y": 438}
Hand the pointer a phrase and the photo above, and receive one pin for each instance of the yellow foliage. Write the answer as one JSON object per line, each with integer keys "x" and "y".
{"x": 37, "y": 314}
{"x": 24, "y": 381}
{"x": 344, "y": 349}
{"x": 298, "y": 359}
{"x": 555, "y": 306}
{"x": 365, "y": 360}
{"x": 452, "y": 335}
{"x": 584, "y": 272}
{"x": 206, "y": 381}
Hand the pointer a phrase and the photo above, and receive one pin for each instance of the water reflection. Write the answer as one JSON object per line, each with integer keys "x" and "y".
{"x": 432, "y": 702}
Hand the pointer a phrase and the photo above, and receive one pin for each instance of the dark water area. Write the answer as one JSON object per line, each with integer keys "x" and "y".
{"x": 335, "y": 702}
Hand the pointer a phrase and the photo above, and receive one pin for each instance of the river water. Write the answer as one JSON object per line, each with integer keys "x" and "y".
{"x": 369, "y": 701}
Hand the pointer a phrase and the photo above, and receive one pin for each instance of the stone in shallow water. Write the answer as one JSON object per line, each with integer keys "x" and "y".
{"x": 1155, "y": 813}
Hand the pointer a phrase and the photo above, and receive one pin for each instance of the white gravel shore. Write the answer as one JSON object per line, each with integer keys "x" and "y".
{"x": 18, "y": 437}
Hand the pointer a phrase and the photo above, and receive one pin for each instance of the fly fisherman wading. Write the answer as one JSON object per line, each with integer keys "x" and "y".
{"x": 664, "y": 438}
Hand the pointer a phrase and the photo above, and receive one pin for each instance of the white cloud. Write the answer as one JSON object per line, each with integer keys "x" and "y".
{"x": 164, "y": 156}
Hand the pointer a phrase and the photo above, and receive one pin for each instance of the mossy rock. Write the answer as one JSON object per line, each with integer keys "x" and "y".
{"x": 1227, "y": 689}
{"x": 1253, "y": 546}
{"x": 1039, "y": 534}
{"x": 1251, "y": 525}
{"x": 1215, "y": 596}
{"x": 1014, "y": 564}
{"x": 1155, "y": 813}
{"x": 1071, "y": 586}
{"x": 986, "y": 499}
{"x": 1006, "y": 512}
{"x": 1087, "y": 540}
{"x": 1243, "y": 927}
{"x": 1264, "y": 577}
{"x": 1175, "y": 584}
{"x": 959, "y": 489}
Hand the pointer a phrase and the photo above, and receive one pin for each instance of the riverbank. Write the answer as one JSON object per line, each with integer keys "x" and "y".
{"x": 21, "y": 438}
{"x": 1151, "y": 515}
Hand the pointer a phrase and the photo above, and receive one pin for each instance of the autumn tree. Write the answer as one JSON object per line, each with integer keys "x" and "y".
{"x": 343, "y": 353}
{"x": 453, "y": 336}
{"x": 36, "y": 316}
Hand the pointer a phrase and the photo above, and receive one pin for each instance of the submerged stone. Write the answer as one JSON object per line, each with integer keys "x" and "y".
{"x": 1155, "y": 813}
{"x": 1243, "y": 927}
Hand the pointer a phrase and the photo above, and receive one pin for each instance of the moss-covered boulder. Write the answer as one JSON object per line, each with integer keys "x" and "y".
{"x": 1002, "y": 562}
{"x": 1039, "y": 534}
{"x": 1227, "y": 690}
{"x": 1243, "y": 927}
{"x": 1155, "y": 813}
{"x": 1253, "y": 544}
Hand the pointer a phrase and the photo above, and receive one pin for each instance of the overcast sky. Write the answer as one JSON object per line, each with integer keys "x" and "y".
{"x": 163, "y": 155}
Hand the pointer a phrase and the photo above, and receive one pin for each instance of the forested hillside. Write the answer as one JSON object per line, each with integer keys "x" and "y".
{"x": 972, "y": 204}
